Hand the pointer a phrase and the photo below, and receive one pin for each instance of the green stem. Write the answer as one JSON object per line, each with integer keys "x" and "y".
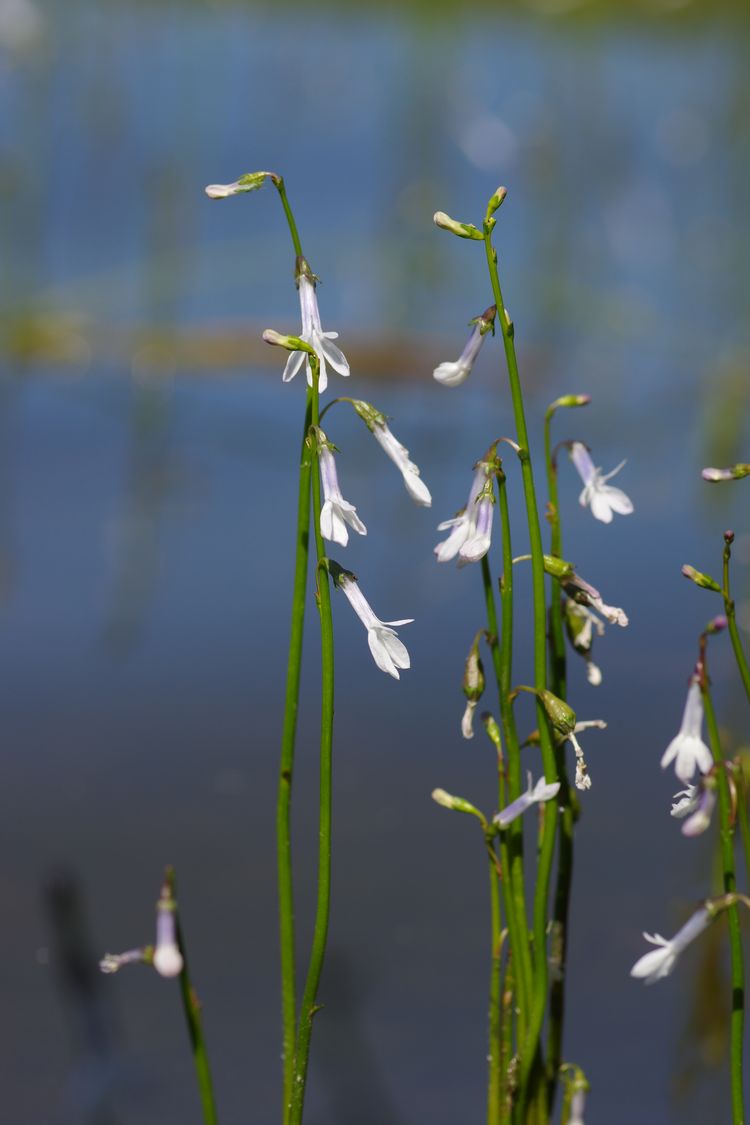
{"x": 515, "y": 911}
{"x": 286, "y": 765}
{"x": 192, "y": 1008}
{"x": 317, "y": 954}
{"x": 558, "y": 683}
{"x": 741, "y": 786}
{"x": 729, "y": 610}
{"x": 548, "y": 814}
{"x": 495, "y": 1082}
{"x": 737, "y": 1019}
{"x": 508, "y": 986}
{"x": 278, "y": 182}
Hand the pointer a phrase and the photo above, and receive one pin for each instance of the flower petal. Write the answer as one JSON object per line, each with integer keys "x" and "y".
{"x": 380, "y": 653}
{"x": 618, "y": 501}
{"x": 600, "y": 507}
{"x": 293, "y": 364}
{"x": 329, "y": 351}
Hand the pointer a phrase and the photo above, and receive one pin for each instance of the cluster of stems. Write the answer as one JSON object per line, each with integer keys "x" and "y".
{"x": 528, "y": 948}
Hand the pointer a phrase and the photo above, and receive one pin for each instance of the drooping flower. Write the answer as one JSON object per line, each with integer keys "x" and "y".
{"x": 535, "y": 794}
{"x": 582, "y": 780}
{"x": 471, "y": 529}
{"x": 584, "y": 593}
{"x": 473, "y": 685}
{"x": 336, "y": 512}
{"x": 453, "y": 374}
{"x": 697, "y": 804}
{"x": 687, "y": 749}
{"x": 168, "y": 960}
{"x": 601, "y": 497}
{"x": 388, "y": 652}
{"x": 580, "y": 624}
{"x": 313, "y": 334}
{"x": 659, "y": 962}
{"x": 398, "y": 453}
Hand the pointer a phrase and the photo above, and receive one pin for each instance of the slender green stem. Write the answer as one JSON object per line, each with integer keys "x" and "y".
{"x": 320, "y": 934}
{"x": 192, "y": 1008}
{"x": 515, "y": 911}
{"x": 286, "y": 765}
{"x": 739, "y": 653}
{"x": 558, "y": 683}
{"x": 281, "y": 189}
{"x": 506, "y": 1111}
{"x": 548, "y": 815}
{"x": 737, "y": 1018}
{"x": 741, "y": 787}
{"x": 495, "y": 1082}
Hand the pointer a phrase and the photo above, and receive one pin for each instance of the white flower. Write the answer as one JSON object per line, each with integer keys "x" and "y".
{"x": 577, "y": 1106}
{"x": 601, "y": 497}
{"x": 687, "y": 747}
{"x": 583, "y": 781}
{"x": 336, "y": 512}
{"x": 660, "y": 962}
{"x": 399, "y": 454}
{"x": 467, "y": 722}
{"x": 534, "y": 794}
{"x": 697, "y": 804}
{"x": 313, "y": 334}
{"x": 453, "y": 374}
{"x": 581, "y": 624}
{"x": 167, "y": 957}
{"x": 471, "y": 529}
{"x": 388, "y": 652}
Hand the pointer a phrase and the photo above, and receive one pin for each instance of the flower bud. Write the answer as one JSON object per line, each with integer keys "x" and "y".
{"x": 568, "y": 401}
{"x": 562, "y": 717}
{"x": 250, "y": 182}
{"x": 463, "y": 230}
{"x": 496, "y": 200}
{"x": 291, "y": 343}
{"x": 558, "y": 568}
{"x": 458, "y": 804}
{"x": 734, "y": 472}
{"x": 703, "y": 580}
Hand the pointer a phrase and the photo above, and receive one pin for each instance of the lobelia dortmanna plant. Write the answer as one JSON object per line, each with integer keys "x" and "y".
{"x": 528, "y": 952}
{"x": 321, "y": 507}
{"x": 711, "y": 781}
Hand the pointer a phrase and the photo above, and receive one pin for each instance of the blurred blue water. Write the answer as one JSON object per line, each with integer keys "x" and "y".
{"x": 146, "y": 522}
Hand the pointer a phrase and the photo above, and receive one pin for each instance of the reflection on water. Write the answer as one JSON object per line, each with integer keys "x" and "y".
{"x": 145, "y": 535}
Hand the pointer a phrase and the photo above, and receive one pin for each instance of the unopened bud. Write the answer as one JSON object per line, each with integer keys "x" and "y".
{"x": 716, "y": 625}
{"x": 473, "y": 684}
{"x": 493, "y": 731}
{"x": 705, "y": 581}
{"x": 458, "y": 804}
{"x": 291, "y": 343}
{"x": 250, "y": 182}
{"x": 568, "y": 401}
{"x": 559, "y": 713}
{"x": 463, "y": 230}
{"x": 558, "y": 568}
{"x": 734, "y": 472}
{"x": 496, "y": 200}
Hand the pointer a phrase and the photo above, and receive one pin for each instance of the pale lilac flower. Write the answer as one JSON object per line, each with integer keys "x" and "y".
{"x": 167, "y": 957}
{"x": 453, "y": 374}
{"x": 660, "y": 962}
{"x": 336, "y": 512}
{"x": 471, "y": 529}
{"x": 601, "y": 497}
{"x": 697, "y": 804}
{"x": 313, "y": 334}
{"x": 577, "y": 1106}
{"x": 388, "y": 652}
{"x": 687, "y": 747}
{"x": 534, "y": 794}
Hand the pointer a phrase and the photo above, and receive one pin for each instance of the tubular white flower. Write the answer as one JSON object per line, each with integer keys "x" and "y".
{"x": 535, "y": 794}
{"x": 659, "y": 962}
{"x": 313, "y": 334}
{"x": 399, "y": 454}
{"x": 467, "y": 722}
{"x": 167, "y": 957}
{"x": 577, "y": 1106}
{"x": 697, "y": 804}
{"x": 388, "y": 652}
{"x": 336, "y": 512}
{"x": 453, "y": 374}
{"x": 601, "y": 497}
{"x": 471, "y": 529}
{"x": 687, "y": 749}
